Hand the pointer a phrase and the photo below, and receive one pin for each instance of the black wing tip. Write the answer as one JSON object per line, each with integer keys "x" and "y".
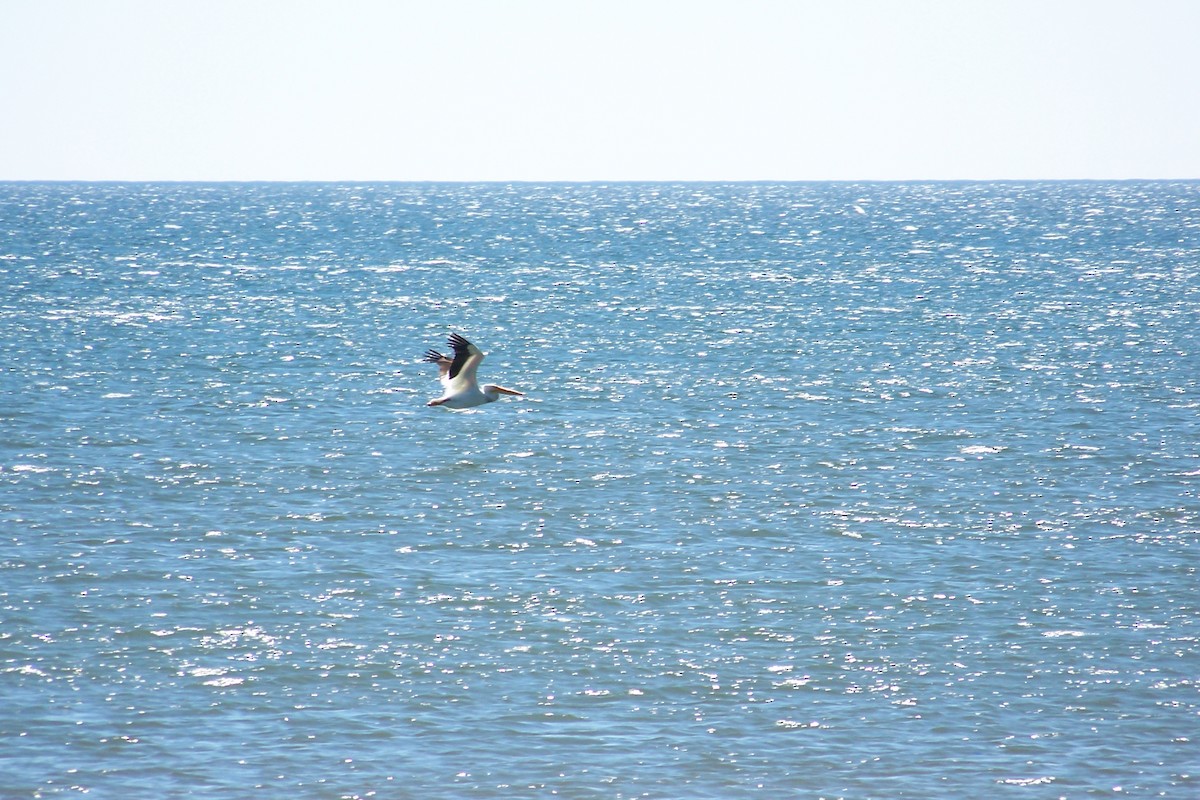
{"x": 433, "y": 356}
{"x": 458, "y": 342}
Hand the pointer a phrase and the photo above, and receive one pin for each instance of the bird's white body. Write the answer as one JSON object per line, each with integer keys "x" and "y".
{"x": 457, "y": 374}
{"x": 473, "y": 396}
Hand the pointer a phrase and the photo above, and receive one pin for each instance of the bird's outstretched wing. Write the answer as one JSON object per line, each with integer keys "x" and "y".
{"x": 443, "y": 362}
{"x": 467, "y": 358}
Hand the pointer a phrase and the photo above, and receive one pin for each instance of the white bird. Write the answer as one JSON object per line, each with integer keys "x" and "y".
{"x": 457, "y": 375}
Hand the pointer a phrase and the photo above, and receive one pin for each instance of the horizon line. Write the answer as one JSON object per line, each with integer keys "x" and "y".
{"x": 588, "y": 181}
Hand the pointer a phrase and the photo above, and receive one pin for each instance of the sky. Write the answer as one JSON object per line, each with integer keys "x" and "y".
{"x": 599, "y": 90}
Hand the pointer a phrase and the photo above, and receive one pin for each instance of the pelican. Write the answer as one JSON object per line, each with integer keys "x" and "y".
{"x": 458, "y": 377}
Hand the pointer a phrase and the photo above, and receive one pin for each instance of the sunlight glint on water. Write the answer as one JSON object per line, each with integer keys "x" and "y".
{"x": 819, "y": 490}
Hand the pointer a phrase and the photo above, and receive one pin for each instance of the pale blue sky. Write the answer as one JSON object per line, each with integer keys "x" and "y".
{"x": 598, "y": 90}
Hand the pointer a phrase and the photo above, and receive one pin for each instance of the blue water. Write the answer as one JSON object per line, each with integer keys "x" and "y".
{"x": 819, "y": 490}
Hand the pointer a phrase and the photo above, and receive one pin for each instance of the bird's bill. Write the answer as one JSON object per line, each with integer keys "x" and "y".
{"x": 514, "y": 392}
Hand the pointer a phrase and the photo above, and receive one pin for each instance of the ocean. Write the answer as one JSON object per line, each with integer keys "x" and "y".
{"x": 818, "y": 490}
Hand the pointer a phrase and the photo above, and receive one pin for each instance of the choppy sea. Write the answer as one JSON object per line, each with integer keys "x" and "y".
{"x": 818, "y": 490}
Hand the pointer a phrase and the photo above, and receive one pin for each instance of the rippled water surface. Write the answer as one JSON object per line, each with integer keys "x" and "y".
{"x": 821, "y": 490}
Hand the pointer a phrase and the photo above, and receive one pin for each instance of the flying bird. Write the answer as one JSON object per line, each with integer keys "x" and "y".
{"x": 457, "y": 375}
